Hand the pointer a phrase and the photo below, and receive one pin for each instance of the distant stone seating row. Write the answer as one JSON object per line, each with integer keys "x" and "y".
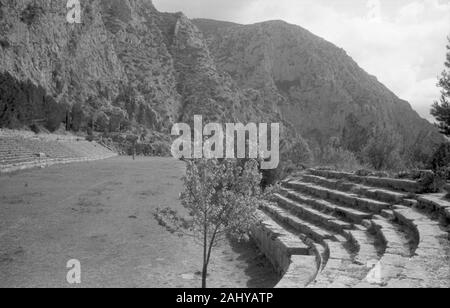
{"x": 23, "y": 151}
{"x": 395, "y": 184}
{"x": 360, "y": 231}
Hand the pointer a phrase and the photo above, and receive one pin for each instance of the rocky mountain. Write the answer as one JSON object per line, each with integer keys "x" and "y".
{"x": 324, "y": 92}
{"x": 128, "y": 65}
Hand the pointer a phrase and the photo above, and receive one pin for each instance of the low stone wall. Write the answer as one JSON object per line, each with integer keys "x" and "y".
{"x": 293, "y": 260}
{"x": 44, "y": 163}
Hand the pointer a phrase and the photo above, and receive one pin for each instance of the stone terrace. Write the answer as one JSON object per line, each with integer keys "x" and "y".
{"x": 336, "y": 229}
{"x": 22, "y": 150}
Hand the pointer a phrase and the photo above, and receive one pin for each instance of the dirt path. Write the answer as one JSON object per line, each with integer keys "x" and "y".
{"x": 101, "y": 213}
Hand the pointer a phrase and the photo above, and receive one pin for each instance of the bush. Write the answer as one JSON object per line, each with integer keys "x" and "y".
{"x": 101, "y": 122}
{"x": 90, "y": 135}
{"x": 118, "y": 119}
{"x": 382, "y": 152}
{"x": 161, "y": 148}
{"x": 339, "y": 159}
{"x": 298, "y": 153}
{"x": 271, "y": 177}
{"x": 441, "y": 159}
{"x": 31, "y": 13}
{"x": 294, "y": 156}
{"x": 35, "y": 128}
{"x": 4, "y": 44}
{"x": 432, "y": 182}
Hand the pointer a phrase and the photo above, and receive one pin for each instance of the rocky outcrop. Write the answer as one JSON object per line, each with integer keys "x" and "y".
{"x": 324, "y": 93}
{"x": 155, "y": 66}
{"x": 128, "y": 65}
{"x": 72, "y": 63}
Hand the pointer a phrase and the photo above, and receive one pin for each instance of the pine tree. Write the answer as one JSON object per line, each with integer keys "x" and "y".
{"x": 441, "y": 109}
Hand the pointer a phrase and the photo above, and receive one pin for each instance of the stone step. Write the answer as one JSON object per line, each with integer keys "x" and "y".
{"x": 301, "y": 272}
{"x": 427, "y": 233}
{"x": 349, "y": 214}
{"x": 379, "y": 194}
{"x": 367, "y": 253}
{"x": 347, "y": 199}
{"x": 340, "y": 270}
{"x": 12, "y": 158}
{"x": 396, "y": 271}
{"x": 16, "y": 154}
{"x": 436, "y": 203}
{"x": 306, "y": 212}
{"x": 17, "y": 161}
{"x": 328, "y": 183}
{"x": 322, "y": 254}
{"x": 395, "y": 184}
{"x": 394, "y": 239}
{"x": 283, "y": 217}
{"x": 290, "y": 256}
{"x": 291, "y": 243}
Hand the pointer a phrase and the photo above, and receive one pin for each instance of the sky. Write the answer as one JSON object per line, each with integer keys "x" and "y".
{"x": 401, "y": 42}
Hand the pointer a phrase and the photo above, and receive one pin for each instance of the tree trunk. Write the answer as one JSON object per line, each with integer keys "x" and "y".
{"x": 205, "y": 255}
{"x": 204, "y": 275}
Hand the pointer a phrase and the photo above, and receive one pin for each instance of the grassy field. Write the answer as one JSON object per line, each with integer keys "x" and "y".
{"x": 101, "y": 213}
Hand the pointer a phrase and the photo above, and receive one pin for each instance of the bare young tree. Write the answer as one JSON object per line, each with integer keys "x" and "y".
{"x": 221, "y": 198}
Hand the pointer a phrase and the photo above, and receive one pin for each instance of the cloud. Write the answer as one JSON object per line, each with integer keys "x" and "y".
{"x": 374, "y": 7}
{"x": 402, "y": 42}
{"x": 214, "y": 9}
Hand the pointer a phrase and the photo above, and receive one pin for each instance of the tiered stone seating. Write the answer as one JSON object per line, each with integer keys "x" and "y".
{"x": 88, "y": 149}
{"x": 365, "y": 232}
{"x": 20, "y": 151}
{"x": 51, "y": 148}
{"x": 13, "y": 153}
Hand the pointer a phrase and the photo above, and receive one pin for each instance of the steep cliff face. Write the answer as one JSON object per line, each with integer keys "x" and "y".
{"x": 128, "y": 65}
{"x": 125, "y": 62}
{"x": 325, "y": 93}
{"x": 115, "y": 59}
{"x": 71, "y": 63}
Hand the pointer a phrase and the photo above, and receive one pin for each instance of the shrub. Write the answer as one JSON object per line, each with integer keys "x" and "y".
{"x": 35, "y": 128}
{"x": 90, "y": 138}
{"x": 161, "y": 148}
{"x": 101, "y": 122}
{"x": 441, "y": 158}
{"x": 4, "y": 44}
{"x": 31, "y": 13}
{"x": 298, "y": 153}
{"x": 90, "y": 134}
{"x": 382, "y": 152}
{"x": 118, "y": 119}
{"x": 432, "y": 182}
{"x": 339, "y": 159}
{"x": 80, "y": 117}
{"x": 294, "y": 156}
